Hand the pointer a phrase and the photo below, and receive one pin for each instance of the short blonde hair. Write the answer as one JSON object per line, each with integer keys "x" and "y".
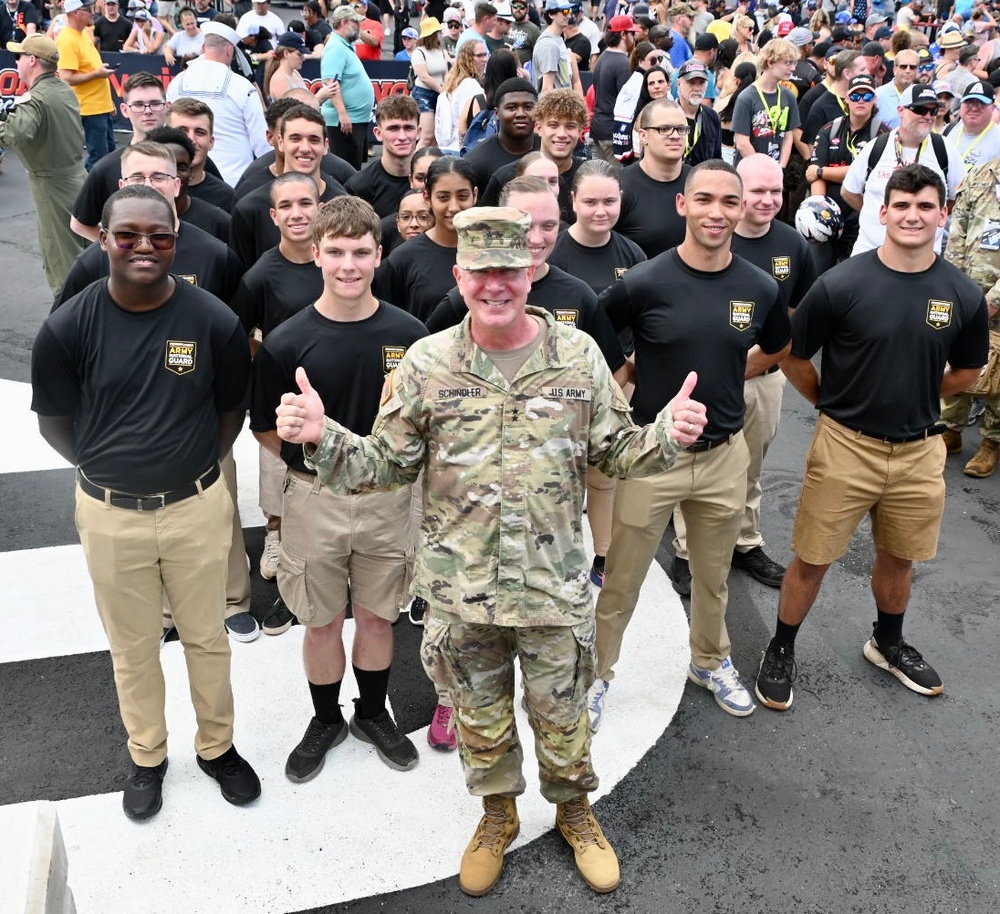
{"x": 777, "y": 50}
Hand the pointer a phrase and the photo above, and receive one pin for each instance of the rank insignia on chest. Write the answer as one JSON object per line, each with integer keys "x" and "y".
{"x": 181, "y": 357}
{"x": 567, "y": 316}
{"x": 741, "y": 314}
{"x": 781, "y": 268}
{"x": 391, "y": 357}
{"x": 939, "y": 313}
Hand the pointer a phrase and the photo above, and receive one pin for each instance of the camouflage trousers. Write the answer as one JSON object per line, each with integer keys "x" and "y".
{"x": 956, "y": 414}
{"x": 475, "y": 664}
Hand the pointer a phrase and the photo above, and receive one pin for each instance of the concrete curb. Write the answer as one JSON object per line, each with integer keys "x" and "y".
{"x": 33, "y": 862}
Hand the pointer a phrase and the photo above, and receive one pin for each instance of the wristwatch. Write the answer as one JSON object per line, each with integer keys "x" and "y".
{"x": 819, "y": 172}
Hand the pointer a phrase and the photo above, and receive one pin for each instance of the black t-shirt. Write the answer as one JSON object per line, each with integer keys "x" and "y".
{"x": 597, "y": 267}
{"x": 391, "y": 239}
{"x": 145, "y": 389}
{"x": 346, "y": 362}
{"x": 208, "y": 218}
{"x": 491, "y": 196}
{"x": 317, "y": 33}
{"x": 213, "y": 190}
{"x": 886, "y": 337}
{"x": 610, "y": 74}
{"x": 565, "y": 297}
{"x": 258, "y": 173}
{"x": 381, "y": 189}
{"x": 101, "y": 183}
{"x": 688, "y": 320}
{"x": 705, "y": 138}
{"x": 824, "y": 110}
{"x": 839, "y": 148}
{"x": 112, "y": 35}
{"x": 809, "y": 99}
{"x": 649, "y": 214}
{"x": 274, "y": 289}
{"x": 579, "y": 45}
{"x": 416, "y": 276}
{"x": 489, "y": 157}
{"x": 253, "y": 230}
{"x": 13, "y": 28}
{"x": 803, "y": 78}
{"x": 783, "y": 253}
{"x": 202, "y": 260}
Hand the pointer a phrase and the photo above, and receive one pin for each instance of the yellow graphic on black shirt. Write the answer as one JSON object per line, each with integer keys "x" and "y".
{"x": 181, "y": 357}
{"x": 741, "y": 314}
{"x": 939, "y": 313}
{"x": 189, "y": 277}
{"x": 781, "y": 268}
{"x": 391, "y": 357}
{"x": 621, "y": 271}
{"x": 569, "y": 316}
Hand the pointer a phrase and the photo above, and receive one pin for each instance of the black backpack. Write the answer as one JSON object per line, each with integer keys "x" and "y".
{"x": 880, "y": 142}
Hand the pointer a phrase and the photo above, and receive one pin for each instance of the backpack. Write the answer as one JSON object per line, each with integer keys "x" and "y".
{"x": 481, "y": 127}
{"x": 880, "y": 142}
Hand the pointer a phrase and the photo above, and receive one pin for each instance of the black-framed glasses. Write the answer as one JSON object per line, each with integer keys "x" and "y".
{"x": 147, "y": 106}
{"x": 158, "y": 241}
{"x": 906, "y": 66}
{"x": 669, "y": 129}
{"x": 925, "y": 110}
{"x": 861, "y": 97}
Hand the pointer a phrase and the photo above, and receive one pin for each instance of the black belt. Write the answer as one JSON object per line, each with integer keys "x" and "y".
{"x": 920, "y": 436}
{"x": 704, "y": 445}
{"x": 771, "y": 370}
{"x": 147, "y": 502}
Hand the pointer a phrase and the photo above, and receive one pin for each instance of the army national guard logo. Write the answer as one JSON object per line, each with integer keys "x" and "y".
{"x": 741, "y": 314}
{"x": 781, "y": 268}
{"x": 939, "y": 313}
{"x": 391, "y": 357}
{"x": 181, "y": 357}
{"x": 621, "y": 271}
{"x": 567, "y": 316}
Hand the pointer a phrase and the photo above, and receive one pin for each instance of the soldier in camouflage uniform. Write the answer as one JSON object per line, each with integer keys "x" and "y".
{"x": 974, "y": 247}
{"x": 504, "y": 413}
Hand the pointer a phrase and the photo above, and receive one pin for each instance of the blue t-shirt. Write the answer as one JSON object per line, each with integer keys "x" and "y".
{"x": 681, "y": 50}
{"x": 340, "y": 62}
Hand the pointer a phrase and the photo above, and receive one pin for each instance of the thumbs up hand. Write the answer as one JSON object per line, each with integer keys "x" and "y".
{"x": 689, "y": 415}
{"x": 301, "y": 416}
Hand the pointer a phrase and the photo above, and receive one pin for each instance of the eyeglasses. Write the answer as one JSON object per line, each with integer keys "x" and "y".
{"x": 157, "y": 177}
{"x": 669, "y": 129}
{"x": 906, "y": 66}
{"x": 158, "y": 241}
{"x": 861, "y": 96}
{"x": 414, "y": 217}
{"x": 147, "y": 106}
{"x": 925, "y": 110}
{"x": 482, "y": 56}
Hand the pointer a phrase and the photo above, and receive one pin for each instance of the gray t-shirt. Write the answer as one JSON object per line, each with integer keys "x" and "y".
{"x": 551, "y": 56}
{"x": 765, "y": 125}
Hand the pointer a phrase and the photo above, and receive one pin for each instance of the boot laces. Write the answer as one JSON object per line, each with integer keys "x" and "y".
{"x": 493, "y": 824}
{"x": 581, "y": 824}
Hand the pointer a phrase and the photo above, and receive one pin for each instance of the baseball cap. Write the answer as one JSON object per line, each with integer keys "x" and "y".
{"x": 785, "y": 28}
{"x": 875, "y": 19}
{"x": 622, "y": 24}
{"x": 943, "y": 87}
{"x": 293, "y": 41}
{"x": 841, "y": 33}
{"x": 821, "y": 49}
{"x": 873, "y": 49}
{"x": 843, "y": 18}
{"x": 492, "y": 236}
{"x": 346, "y": 12}
{"x": 410, "y": 33}
{"x": 452, "y": 15}
{"x": 71, "y": 6}
{"x": 706, "y": 42}
{"x": 977, "y": 92}
{"x": 883, "y": 33}
{"x": 222, "y": 30}
{"x": 141, "y": 15}
{"x": 693, "y": 69}
{"x": 37, "y": 46}
{"x": 917, "y": 95}
{"x": 680, "y": 9}
{"x": 557, "y": 6}
{"x": 863, "y": 81}
{"x": 504, "y": 11}
{"x": 801, "y": 37}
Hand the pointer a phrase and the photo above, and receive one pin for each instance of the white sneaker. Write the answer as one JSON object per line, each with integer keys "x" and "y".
{"x": 595, "y": 702}
{"x": 730, "y": 694}
{"x": 269, "y": 557}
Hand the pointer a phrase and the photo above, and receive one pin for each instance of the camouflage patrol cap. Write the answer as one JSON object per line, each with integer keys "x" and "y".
{"x": 492, "y": 236}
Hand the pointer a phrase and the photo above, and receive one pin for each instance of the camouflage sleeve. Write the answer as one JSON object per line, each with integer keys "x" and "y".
{"x": 960, "y": 215}
{"x": 390, "y": 457}
{"x": 618, "y": 447}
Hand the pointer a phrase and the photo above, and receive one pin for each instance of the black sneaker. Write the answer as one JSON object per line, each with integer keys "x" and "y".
{"x": 760, "y": 566}
{"x": 143, "y": 796}
{"x": 418, "y": 607}
{"x": 279, "y": 619}
{"x": 907, "y": 664}
{"x": 169, "y": 634}
{"x": 307, "y": 758}
{"x": 238, "y": 781}
{"x": 775, "y": 677}
{"x": 393, "y": 747}
{"x": 680, "y": 576}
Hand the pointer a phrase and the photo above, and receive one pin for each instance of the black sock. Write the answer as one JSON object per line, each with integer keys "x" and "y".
{"x": 326, "y": 702}
{"x": 784, "y": 636}
{"x": 888, "y": 629}
{"x": 599, "y": 562}
{"x": 372, "y": 688}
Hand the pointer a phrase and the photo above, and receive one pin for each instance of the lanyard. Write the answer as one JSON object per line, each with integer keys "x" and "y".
{"x": 965, "y": 155}
{"x": 899, "y": 151}
{"x": 775, "y": 121}
{"x": 689, "y": 143}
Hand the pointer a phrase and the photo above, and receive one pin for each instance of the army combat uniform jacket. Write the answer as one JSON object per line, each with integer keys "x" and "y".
{"x": 505, "y": 469}
{"x": 974, "y": 242}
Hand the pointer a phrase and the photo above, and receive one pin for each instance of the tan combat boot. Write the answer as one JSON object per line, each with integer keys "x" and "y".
{"x": 952, "y": 440}
{"x": 985, "y": 462}
{"x": 595, "y": 857}
{"x": 482, "y": 862}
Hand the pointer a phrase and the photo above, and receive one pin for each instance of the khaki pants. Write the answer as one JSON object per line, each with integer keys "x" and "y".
{"x": 475, "y": 665}
{"x": 760, "y": 426}
{"x": 134, "y": 557}
{"x": 711, "y": 488}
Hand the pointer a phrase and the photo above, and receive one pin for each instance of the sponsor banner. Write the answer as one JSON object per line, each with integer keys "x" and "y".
{"x": 388, "y": 77}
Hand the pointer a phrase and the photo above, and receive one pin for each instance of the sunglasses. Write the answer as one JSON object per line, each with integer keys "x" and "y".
{"x": 906, "y": 66}
{"x": 655, "y": 60}
{"x": 926, "y": 68}
{"x": 159, "y": 241}
{"x": 861, "y": 96}
{"x": 924, "y": 110}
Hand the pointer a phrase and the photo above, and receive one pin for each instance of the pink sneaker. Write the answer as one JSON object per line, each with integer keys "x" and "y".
{"x": 441, "y": 733}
